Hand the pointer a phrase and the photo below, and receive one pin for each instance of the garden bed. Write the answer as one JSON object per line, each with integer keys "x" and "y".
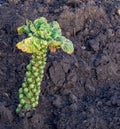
{"x": 79, "y": 91}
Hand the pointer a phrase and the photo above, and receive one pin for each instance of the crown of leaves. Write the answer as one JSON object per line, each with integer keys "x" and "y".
{"x": 41, "y": 33}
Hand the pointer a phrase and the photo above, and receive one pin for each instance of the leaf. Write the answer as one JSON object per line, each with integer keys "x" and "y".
{"x": 67, "y": 47}
{"x": 28, "y": 22}
{"x": 55, "y": 25}
{"x": 56, "y": 31}
{"x": 45, "y": 31}
{"x": 39, "y": 21}
{"x": 33, "y": 29}
{"x": 27, "y": 45}
{"x": 21, "y": 30}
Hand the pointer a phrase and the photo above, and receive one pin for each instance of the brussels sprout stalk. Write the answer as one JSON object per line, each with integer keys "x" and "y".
{"x": 41, "y": 36}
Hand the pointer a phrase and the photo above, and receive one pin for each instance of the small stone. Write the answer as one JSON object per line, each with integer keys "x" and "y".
{"x": 74, "y": 107}
{"x": 94, "y": 44}
{"x": 114, "y": 100}
{"x": 5, "y": 114}
{"x": 90, "y": 88}
{"x": 72, "y": 98}
{"x": 92, "y": 110}
{"x": 119, "y": 11}
{"x": 118, "y": 102}
{"x": 57, "y": 102}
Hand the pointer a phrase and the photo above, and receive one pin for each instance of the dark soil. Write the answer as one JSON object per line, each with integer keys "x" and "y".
{"x": 79, "y": 91}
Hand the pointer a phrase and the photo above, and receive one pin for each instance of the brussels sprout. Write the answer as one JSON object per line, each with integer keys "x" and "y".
{"x": 41, "y": 68}
{"x": 27, "y": 106}
{"x": 29, "y": 67}
{"x": 44, "y": 59}
{"x": 29, "y": 80}
{"x": 39, "y": 62}
{"x": 34, "y": 105}
{"x": 37, "y": 79}
{"x": 32, "y": 62}
{"x": 22, "y": 101}
{"x": 20, "y": 91}
{"x": 18, "y": 108}
{"x": 21, "y": 96}
{"x": 41, "y": 71}
{"x": 32, "y": 99}
{"x": 29, "y": 95}
{"x": 36, "y": 102}
{"x": 36, "y": 74}
{"x": 37, "y": 92}
{"x": 37, "y": 98}
{"x": 25, "y": 90}
{"x": 31, "y": 86}
{"x": 25, "y": 79}
{"x": 34, "y": 90}
{"x": 28, "y": 74}
{"x": 24, "y": 85}
{"x": 34, "y": 68}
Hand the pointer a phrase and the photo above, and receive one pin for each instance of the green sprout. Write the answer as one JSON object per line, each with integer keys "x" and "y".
{"x": 41, "y": 36}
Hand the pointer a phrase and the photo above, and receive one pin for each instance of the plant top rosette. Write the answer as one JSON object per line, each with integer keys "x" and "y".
{"x": 41, "y": 36}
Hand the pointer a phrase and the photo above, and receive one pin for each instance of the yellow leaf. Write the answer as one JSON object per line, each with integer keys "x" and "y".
{"x": 26, "y": 45}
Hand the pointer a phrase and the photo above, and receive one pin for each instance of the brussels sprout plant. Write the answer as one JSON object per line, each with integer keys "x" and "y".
{"x": 41, "y": 36}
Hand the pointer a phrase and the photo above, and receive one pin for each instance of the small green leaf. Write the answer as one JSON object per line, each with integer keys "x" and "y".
{"x": 21, "y": 30}
{"x": 32, "y": 28}
{"x": 56, "y": 31}
{"x": 39, "y": 21}
{"x": 67, "y": 47}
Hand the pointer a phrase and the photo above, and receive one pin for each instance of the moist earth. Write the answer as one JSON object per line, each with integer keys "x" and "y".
{"x": 78, "y": 91}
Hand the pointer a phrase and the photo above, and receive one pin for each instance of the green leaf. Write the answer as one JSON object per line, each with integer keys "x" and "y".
{"x": 28, "y": 22}
{"x": 56, "y": 31}
{"x": 29, "y": 45}
{"x": 45, "y": 31}
{"x": 37, "y": 23}
{"x": 67, "y": 47}
{"x": 21, "y": 30}
{"x": 55, "y": 25}
{"x": 32, "y": 28}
